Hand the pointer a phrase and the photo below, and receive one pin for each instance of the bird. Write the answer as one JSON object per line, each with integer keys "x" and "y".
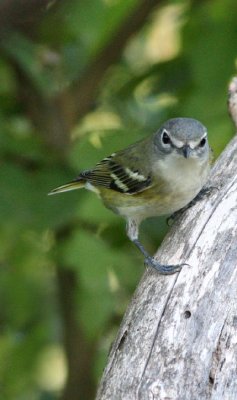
{"x": 155, "y": 176}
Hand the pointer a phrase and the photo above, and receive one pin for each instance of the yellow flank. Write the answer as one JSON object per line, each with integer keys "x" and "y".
{"x": 148, "y": 203}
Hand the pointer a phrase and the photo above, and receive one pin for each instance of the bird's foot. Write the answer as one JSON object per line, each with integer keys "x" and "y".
{"x": 162, "y": 269}
{"x": 204, "y": 192}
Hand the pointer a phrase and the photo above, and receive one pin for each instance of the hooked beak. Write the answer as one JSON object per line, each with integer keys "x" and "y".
{"x": 186, "y": 150}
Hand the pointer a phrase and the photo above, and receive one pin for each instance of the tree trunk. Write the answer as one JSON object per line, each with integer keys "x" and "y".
{"x": 178, "y": 339}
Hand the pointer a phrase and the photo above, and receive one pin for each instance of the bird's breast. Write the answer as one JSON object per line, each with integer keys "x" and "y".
{"x": 182, "y": 175}
{"x": 183, "y": 179}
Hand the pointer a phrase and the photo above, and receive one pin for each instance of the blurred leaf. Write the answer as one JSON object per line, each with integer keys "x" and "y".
{"x": 94, "y": 259}
{"x": 34, "y": 60}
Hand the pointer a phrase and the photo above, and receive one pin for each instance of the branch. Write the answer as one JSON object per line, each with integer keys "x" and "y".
{"x": 232, "y": 100}
{"x": 178, "y": 337}
{"x": 80, "y": 352}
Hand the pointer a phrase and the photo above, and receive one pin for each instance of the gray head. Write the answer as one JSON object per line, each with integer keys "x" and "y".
{"x": 184, "y": 137}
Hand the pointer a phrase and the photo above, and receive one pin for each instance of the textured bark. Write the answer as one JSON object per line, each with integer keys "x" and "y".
{"x": 178, "y": 339}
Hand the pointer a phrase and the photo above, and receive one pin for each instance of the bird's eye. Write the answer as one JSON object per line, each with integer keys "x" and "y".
{"x": 165, "y": 138}
{"x": 203, "y": 142}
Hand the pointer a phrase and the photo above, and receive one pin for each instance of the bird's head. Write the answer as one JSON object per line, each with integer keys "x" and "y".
{"x": 182, "y": 137}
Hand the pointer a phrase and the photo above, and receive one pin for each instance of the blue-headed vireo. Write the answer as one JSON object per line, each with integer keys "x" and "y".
{"x": 155, "y": 176}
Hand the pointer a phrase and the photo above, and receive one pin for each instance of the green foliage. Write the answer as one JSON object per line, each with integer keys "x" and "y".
{"x": 100, "y": 282}
{"x": 43, "y": 237}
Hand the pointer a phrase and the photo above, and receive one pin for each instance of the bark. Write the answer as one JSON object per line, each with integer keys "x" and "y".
{"x": 178, "y": 339}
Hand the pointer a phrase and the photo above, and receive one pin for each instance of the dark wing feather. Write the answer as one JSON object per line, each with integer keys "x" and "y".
{"x": 111, "y": 174}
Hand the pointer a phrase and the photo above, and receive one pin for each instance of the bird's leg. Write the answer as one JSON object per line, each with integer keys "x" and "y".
{"x": 132, "y": 232}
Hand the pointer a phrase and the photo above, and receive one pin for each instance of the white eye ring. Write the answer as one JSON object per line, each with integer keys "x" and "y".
{"x": 165, "y": 138}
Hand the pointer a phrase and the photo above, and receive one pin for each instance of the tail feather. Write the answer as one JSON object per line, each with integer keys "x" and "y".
{"x": 68, "y": 186}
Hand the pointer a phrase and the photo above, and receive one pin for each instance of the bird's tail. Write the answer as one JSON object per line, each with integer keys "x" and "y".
{"x": 73, "y": 185}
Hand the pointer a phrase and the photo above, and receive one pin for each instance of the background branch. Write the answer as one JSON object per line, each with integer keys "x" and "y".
{"x": 87, "y": 88}
{"x": 80, "y": 352}
{"x": 23, "y": 15}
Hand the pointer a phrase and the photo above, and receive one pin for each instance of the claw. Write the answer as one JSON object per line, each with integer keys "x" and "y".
{"x": 206, "y": 191}
{"x": 163, "y": 269}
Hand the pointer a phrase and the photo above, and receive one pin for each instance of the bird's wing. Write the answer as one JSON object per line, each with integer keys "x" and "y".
{"x": 111, "y": 174}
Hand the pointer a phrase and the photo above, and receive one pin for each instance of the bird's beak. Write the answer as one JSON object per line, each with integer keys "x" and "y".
{"x": 186, "y": 150}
